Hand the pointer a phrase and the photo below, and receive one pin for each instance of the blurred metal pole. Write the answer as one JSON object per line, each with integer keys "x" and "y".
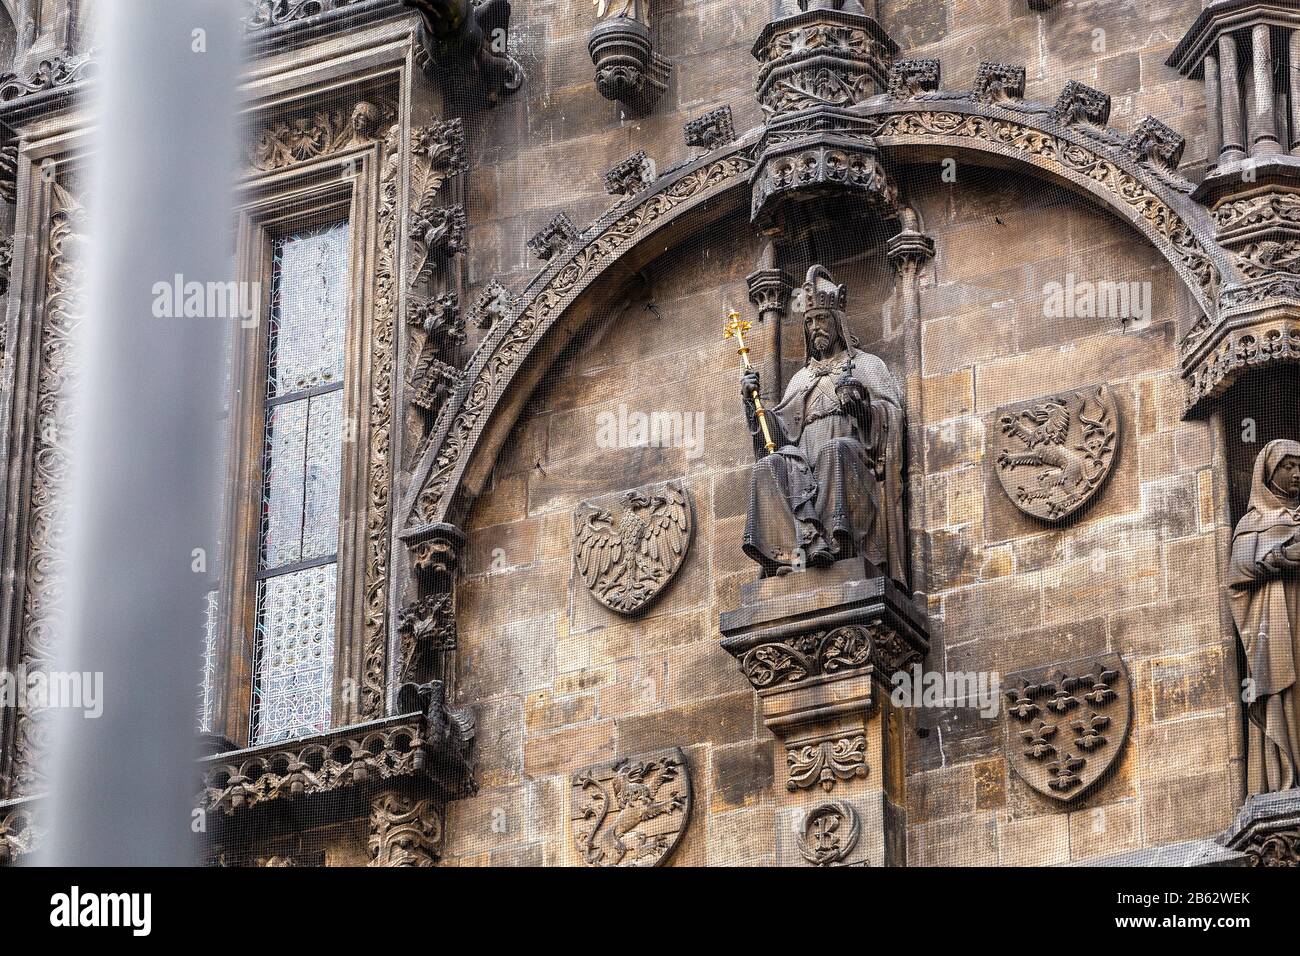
{"x": 144, "y": 491}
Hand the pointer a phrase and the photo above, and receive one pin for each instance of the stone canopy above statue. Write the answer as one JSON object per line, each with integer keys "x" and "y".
{"x": 817, "y": 65}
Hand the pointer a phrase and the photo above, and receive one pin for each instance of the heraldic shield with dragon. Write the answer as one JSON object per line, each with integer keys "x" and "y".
{"x": 632, "y": 812}
{"x": 628, "y": 546}
{"x": 1055, "y": 453}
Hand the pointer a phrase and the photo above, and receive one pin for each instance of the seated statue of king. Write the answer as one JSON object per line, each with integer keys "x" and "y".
{"x": 833, "y": 488}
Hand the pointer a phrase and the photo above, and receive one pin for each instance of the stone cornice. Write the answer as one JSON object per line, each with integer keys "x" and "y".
{"x": 55, "y": 82}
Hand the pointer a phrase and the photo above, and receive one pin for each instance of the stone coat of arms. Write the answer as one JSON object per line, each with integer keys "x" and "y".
{"x": 627, "y": 547}
{"x": 632, "y": 812}
{"x": 1055, "y": 453}
{"x": 1066, "y": 723}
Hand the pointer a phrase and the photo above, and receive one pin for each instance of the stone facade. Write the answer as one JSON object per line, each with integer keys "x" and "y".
{"x": 598, "y": 232}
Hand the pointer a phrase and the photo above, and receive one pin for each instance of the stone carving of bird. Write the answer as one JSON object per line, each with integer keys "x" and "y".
{"x": 627, "y": 561}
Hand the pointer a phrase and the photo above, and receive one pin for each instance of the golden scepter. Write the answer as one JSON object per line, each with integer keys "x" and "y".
{"x": 738, "y": 328}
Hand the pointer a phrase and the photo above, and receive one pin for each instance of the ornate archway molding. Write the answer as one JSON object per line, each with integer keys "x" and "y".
{"x": 1129, "y": 176}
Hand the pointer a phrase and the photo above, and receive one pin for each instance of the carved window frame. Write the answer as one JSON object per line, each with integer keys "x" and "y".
{"x": 345, "y": 186}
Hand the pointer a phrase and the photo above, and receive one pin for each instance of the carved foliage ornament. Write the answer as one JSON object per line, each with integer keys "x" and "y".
{"x": 374, "y": 647}
{"x": 58, "y": 71}
{"x": 64, "y": 312}
{"x": 405, "y": 830}
{"x": 1280, "y": 849}
{"x": 848, "y": 648}
{"x": 321, "y": 133}
{"x": 19, "y": 834}
{"x": 553, "y": 238}
{"x": 630, "y": 176}
{"x": 830, "y": 832}
{"x": 715, "y": 128}
{"x": 1054, "y": 453}
{"x": 1066, "y": 723}
{"x": 632, "y": 812}
{"x": 1034, "y": 144}
{"x": 826, "y": 761}
{"x": 627, "y": 547}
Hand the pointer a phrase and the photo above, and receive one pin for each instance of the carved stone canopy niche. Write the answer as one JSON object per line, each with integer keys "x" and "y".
{"x": 816, "y": 66}
{"x": 1251, "y": 186}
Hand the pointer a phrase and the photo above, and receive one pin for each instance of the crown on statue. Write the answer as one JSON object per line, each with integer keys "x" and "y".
{"x": 819, "y": 291}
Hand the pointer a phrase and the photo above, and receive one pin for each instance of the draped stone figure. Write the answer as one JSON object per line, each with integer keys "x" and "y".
{"x": 833, "y": 489}
{"x": 1264, "y": 593}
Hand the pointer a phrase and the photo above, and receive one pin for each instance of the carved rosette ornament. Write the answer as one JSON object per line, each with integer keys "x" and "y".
{"x": 830, "y": 833}
{"x": 627, "y": 67}
{"x": 1067, "y": 723}
{"x": 632, "y": 812}
{"x": 628, "y": 546}
{"x": 1055, "y": 453}
{"x": 817, "y": 65}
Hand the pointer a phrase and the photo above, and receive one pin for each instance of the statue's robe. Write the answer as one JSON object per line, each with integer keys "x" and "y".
{"x": 839, "y": 474}
{"x": 1265, "y": 605}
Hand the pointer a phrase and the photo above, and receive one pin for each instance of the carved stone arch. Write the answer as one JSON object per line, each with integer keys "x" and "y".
{"x": 688, "y": 198}
{"x": 1089, "y": 160}
{"x": 516, "y": 353}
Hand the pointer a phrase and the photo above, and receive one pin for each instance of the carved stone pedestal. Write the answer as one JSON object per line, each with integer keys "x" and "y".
{"x": 820, "y": 647}
{"x": 1267, "y": 829}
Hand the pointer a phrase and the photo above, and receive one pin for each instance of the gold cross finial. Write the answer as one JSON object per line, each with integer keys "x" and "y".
{"x": 736, "y": 327}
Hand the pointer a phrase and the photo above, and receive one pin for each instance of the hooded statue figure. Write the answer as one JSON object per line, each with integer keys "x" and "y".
{"x": 1264, "y": 593}
{"x": 833, "y": 489}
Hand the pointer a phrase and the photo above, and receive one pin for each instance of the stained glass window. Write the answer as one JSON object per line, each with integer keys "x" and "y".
{"x": 293, "y": 648}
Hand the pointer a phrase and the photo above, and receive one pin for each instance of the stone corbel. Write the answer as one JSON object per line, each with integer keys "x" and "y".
{"x": 427, "y": 625}
{"x": 19, "y": 833}
{"x": 908, "y": 252}
{"x": 820, "y": 650}
{"x": 627, "y": 67}
{"x": 405, "y": 829}
{"x": 1267, "y": 829}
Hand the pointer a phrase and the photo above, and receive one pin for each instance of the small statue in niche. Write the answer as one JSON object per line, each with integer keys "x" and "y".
{"x": 833, "y": 488}
{"x": 1264, "y": 594}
